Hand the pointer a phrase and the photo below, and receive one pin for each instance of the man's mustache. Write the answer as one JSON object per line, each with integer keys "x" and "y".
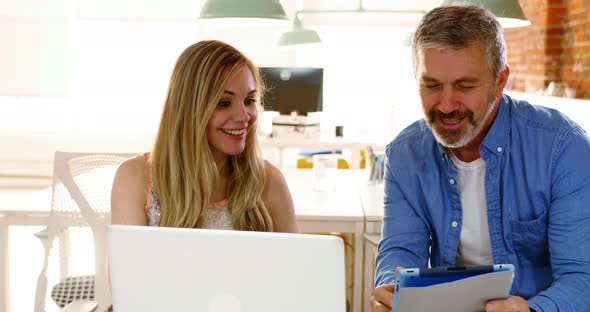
{"x": 435, "y": 114}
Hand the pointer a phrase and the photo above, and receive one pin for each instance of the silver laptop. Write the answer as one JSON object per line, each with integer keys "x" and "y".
{"x": 172, "y": 269}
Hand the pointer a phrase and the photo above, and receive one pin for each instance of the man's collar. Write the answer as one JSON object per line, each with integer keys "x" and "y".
{"x": 496, "y": 140}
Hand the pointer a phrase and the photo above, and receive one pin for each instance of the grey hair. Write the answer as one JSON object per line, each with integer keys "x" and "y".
{"x": 456, "y": 27}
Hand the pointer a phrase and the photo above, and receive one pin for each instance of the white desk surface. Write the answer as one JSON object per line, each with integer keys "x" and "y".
{"x": 372, "y": 199}
{"x": 344, "y": 202}
{"x": 372, "y": 202}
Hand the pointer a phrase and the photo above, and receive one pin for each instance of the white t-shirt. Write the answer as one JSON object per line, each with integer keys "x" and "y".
{"x": 474, "y": 244}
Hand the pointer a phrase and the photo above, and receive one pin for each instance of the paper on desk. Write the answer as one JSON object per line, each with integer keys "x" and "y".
{"x": 465, "y": 295}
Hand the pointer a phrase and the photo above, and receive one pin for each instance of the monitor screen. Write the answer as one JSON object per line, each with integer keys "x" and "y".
{"x": 292, "y": 89}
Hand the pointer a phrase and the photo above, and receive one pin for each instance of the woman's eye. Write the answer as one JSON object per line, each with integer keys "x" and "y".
{"x": 224, "y": 103}
{"x": 250, "y": 102}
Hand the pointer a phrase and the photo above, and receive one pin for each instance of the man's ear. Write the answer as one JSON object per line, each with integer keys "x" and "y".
{"x": 502, "y": 80}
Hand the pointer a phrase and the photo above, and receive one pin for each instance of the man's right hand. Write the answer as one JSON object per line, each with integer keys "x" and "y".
{"x": 382, "y": 298}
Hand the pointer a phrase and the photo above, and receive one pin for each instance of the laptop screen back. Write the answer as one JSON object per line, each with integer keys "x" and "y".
{"x": 173, "y": 269}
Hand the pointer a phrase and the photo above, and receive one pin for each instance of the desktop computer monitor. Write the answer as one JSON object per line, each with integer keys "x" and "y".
{"x": 292, "y": 89}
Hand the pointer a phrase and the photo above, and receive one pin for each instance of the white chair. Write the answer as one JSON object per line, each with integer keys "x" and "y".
{"x": 81, "y": 198}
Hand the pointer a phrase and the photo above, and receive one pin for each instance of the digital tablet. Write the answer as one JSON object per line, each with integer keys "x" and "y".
{"x": 423, "y": 277}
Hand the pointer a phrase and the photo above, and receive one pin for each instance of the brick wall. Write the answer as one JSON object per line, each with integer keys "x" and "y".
{"x": 556, "y": 47}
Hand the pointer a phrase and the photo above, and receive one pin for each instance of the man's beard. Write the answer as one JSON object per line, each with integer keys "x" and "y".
{"x": 464, "y": 135}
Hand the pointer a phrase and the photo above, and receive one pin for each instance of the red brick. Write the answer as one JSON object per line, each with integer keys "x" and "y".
{"x": 555, "y": 3}
{"x": 575, "y": 5}
{"x": 581, "y": 50}
{"x": 557, "y": 11}
{"x": 568, "y": 49}
{"x": 555, "y": 47}
{"x": 555, "y": 31}
{"x": 553, "y": 42}
{"x": 518, "y": 85}
{"x": 575, "y": 17}
{"x": 554, "y": 52}
{"x": 569, "y": 73}
{"x": 556, "y": 20}
{"x": 567, "y": 63}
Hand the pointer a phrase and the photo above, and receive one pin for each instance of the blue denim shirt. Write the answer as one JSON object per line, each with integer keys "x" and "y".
{"x": 537, "y": 185}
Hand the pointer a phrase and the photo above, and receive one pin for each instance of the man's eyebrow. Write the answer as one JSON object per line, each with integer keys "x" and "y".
{"x": 467, "y": 80}
{"x": 460, "y": 80}
{"x": 428, "y": 79}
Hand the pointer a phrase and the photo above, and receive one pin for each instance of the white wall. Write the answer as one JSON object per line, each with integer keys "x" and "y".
{"x": 100, "y": 69}
{"x": 369, "y": 86}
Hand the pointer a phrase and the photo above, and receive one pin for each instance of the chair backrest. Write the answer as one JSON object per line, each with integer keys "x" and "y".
{"x": 82, "y": 186}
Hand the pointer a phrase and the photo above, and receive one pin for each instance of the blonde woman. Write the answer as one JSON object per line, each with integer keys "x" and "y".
{"x": 205, "y": 170}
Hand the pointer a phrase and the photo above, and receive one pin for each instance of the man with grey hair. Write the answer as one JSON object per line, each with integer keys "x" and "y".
{"x": 484, "y": 178}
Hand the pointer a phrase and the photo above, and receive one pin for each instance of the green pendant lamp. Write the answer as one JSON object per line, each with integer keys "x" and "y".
{"x": 298, "y": 35}
{"x": 508, "y": 12}
{"x": 265, "y": 9}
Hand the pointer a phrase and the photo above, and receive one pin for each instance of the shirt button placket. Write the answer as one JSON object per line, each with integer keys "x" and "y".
{"x": 454, "y": 223}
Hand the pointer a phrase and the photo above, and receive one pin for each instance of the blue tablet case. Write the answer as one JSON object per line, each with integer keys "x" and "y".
{"x": 421, "y": 277}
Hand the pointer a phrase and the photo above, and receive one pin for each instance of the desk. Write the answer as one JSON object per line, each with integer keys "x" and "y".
{"x": 355, "y": 147}
{"x": 370, "y": 245}
{"x": 333, "y": 211}
{"x": 372, "y": 200}
{"x": 329, "y": 211}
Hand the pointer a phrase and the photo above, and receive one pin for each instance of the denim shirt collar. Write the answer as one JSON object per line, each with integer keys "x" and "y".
{"x": 497, "y": 138}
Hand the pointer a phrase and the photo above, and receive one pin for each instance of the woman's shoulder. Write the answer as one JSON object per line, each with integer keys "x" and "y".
{"x": 278, "y": 201}
{"x": 134, "y": 169}
{"x": 128, "y": 197}
{"x": 273, "y": 174}
{"x": 275, "y": 187}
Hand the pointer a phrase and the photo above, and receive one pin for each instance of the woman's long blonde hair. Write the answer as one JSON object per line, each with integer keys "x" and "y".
{"x": 184, "y": 170}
